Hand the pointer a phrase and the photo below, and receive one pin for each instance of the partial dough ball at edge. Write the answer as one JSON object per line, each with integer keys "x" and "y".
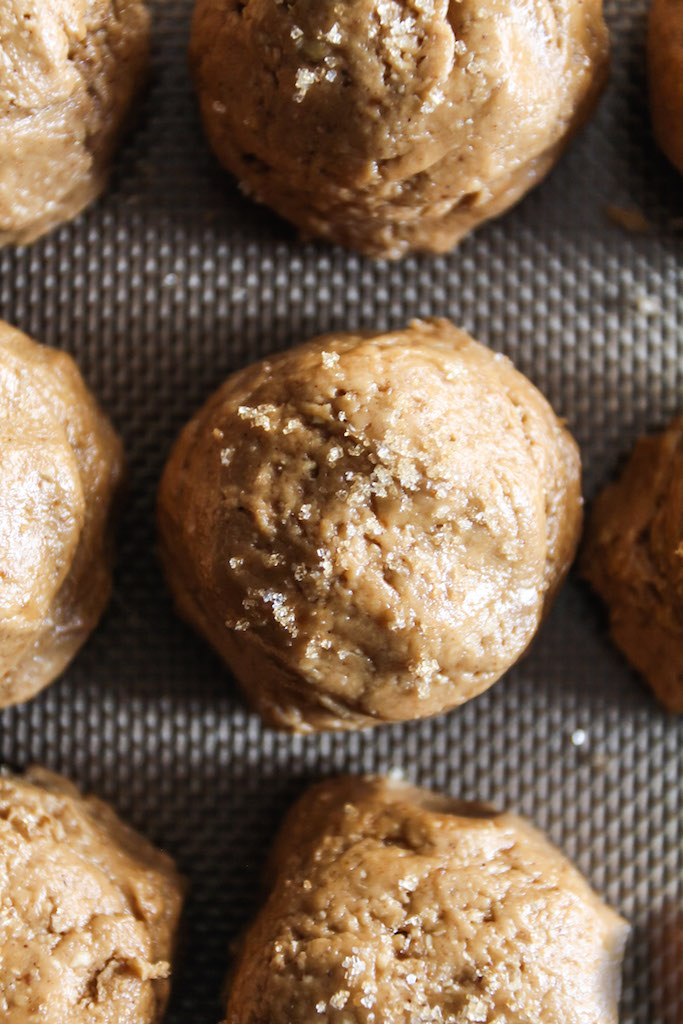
{"x": 395, "y": 901}
{"x": 633, "y": 557}
{"x": 90, "y": 909}
{"x": 665, "y": 72}
{"x": 77, "y": 66}
{"x": 62, "y": 465}
{"x": 394, "y": 127}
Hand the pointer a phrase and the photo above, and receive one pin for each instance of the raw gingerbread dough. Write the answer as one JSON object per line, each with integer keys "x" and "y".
{"x": 665, "y": 66}
{"x": 88, "y": 910}
{"x": 392, "y": 125}
{"x": 69, "y": 70}
{"x": 370, "y": 527}
{"x": 633, "y": 556}
{"x": 392, "y": 904}
{"x": 60, "y": 465}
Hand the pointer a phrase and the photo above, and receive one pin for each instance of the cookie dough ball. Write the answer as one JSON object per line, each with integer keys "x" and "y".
{"x": 69, "y": 72}
{"x": 393, "y": 126}
{"x": 60, "y": 465}
{"x": 370, "y": 527}
{"x": 665, "y": 66}
{"x": 88, "y": 910}
{"x": 389, "y": 903}
{"x": 633, "y": 557}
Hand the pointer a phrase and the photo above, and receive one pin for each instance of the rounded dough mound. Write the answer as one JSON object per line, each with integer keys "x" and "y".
{"x": 369, "y": 527}
{"x": 60, "y": 465}
{"x": 389, "y": 903}
{"x": 633, "y": 557}
{"x": 665, "y": 66}
{"x": 392, "y": 125}
{"x": 70, "y": 70}
{"x": 88, "y": 910}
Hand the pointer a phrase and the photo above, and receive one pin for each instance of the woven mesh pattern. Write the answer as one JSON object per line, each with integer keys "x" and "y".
{"x": 172, "y": 281}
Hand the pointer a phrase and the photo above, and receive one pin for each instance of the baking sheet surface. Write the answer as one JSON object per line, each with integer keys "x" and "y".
{"x": 173, "y": 280}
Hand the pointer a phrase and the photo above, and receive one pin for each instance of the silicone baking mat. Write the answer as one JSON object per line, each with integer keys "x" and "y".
{"x": 172, "y": 281}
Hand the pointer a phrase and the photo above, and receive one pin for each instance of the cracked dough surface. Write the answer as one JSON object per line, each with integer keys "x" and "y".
{"x": 633, "y": 557}
{"x": 369, "y": 527}
{"x": 69, "y": 70}
{"x": 88, "y": 910}
{"x": 393, "y": 125}
{"x": 390, "y": 903}
{"x": 665, "y": 67}
{"x": 60, "y": 465}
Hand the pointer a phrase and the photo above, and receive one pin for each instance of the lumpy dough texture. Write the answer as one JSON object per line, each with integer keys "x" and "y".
{"x": 369, "y": 527}
{"x": 389, "y": 903}
{"x": 60, "y": 465}
{"x": 69, "y": 70}
{"x": 88, "y": 910}
{"x": 665, "y": 61}
{"x": 392, "y": 125}
{"x": 633, "y": 556}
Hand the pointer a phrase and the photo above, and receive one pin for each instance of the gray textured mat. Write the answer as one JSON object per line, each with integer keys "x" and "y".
{"x": 173, "y": 280}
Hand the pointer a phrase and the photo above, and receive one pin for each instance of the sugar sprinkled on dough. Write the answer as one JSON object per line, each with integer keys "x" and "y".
{"x": 392, "y": 564}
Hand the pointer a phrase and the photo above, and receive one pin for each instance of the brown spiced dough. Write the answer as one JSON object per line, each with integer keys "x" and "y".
{"x": 88, "y": 910}
{"x": 390, "y": 903}
{"x": 393, "y": 125}
{"x": 60, "y": 466}
{"x": 665, "y": 67}
{"x": 633, "y": 557}
{"x": 69, "y": 70}
{"x": 370, "y": 527}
